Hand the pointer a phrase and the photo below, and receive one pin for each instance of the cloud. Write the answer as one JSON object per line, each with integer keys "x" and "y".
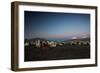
{"x": 74, "y": 37}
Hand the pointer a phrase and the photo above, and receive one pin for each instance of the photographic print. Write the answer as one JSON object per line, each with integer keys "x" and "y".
{"x": 53, "y": 36}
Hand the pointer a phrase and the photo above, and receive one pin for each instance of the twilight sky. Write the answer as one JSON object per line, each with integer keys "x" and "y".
{"x": 56, "y": 26}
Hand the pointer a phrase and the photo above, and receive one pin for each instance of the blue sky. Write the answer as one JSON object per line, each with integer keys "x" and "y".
{"x": 56, "y": 26}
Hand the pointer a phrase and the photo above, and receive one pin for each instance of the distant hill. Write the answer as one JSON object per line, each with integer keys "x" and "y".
{"x": 34, "y": 39}
{"x": 80, "y": 39}
{"x": 42, "y": 39}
